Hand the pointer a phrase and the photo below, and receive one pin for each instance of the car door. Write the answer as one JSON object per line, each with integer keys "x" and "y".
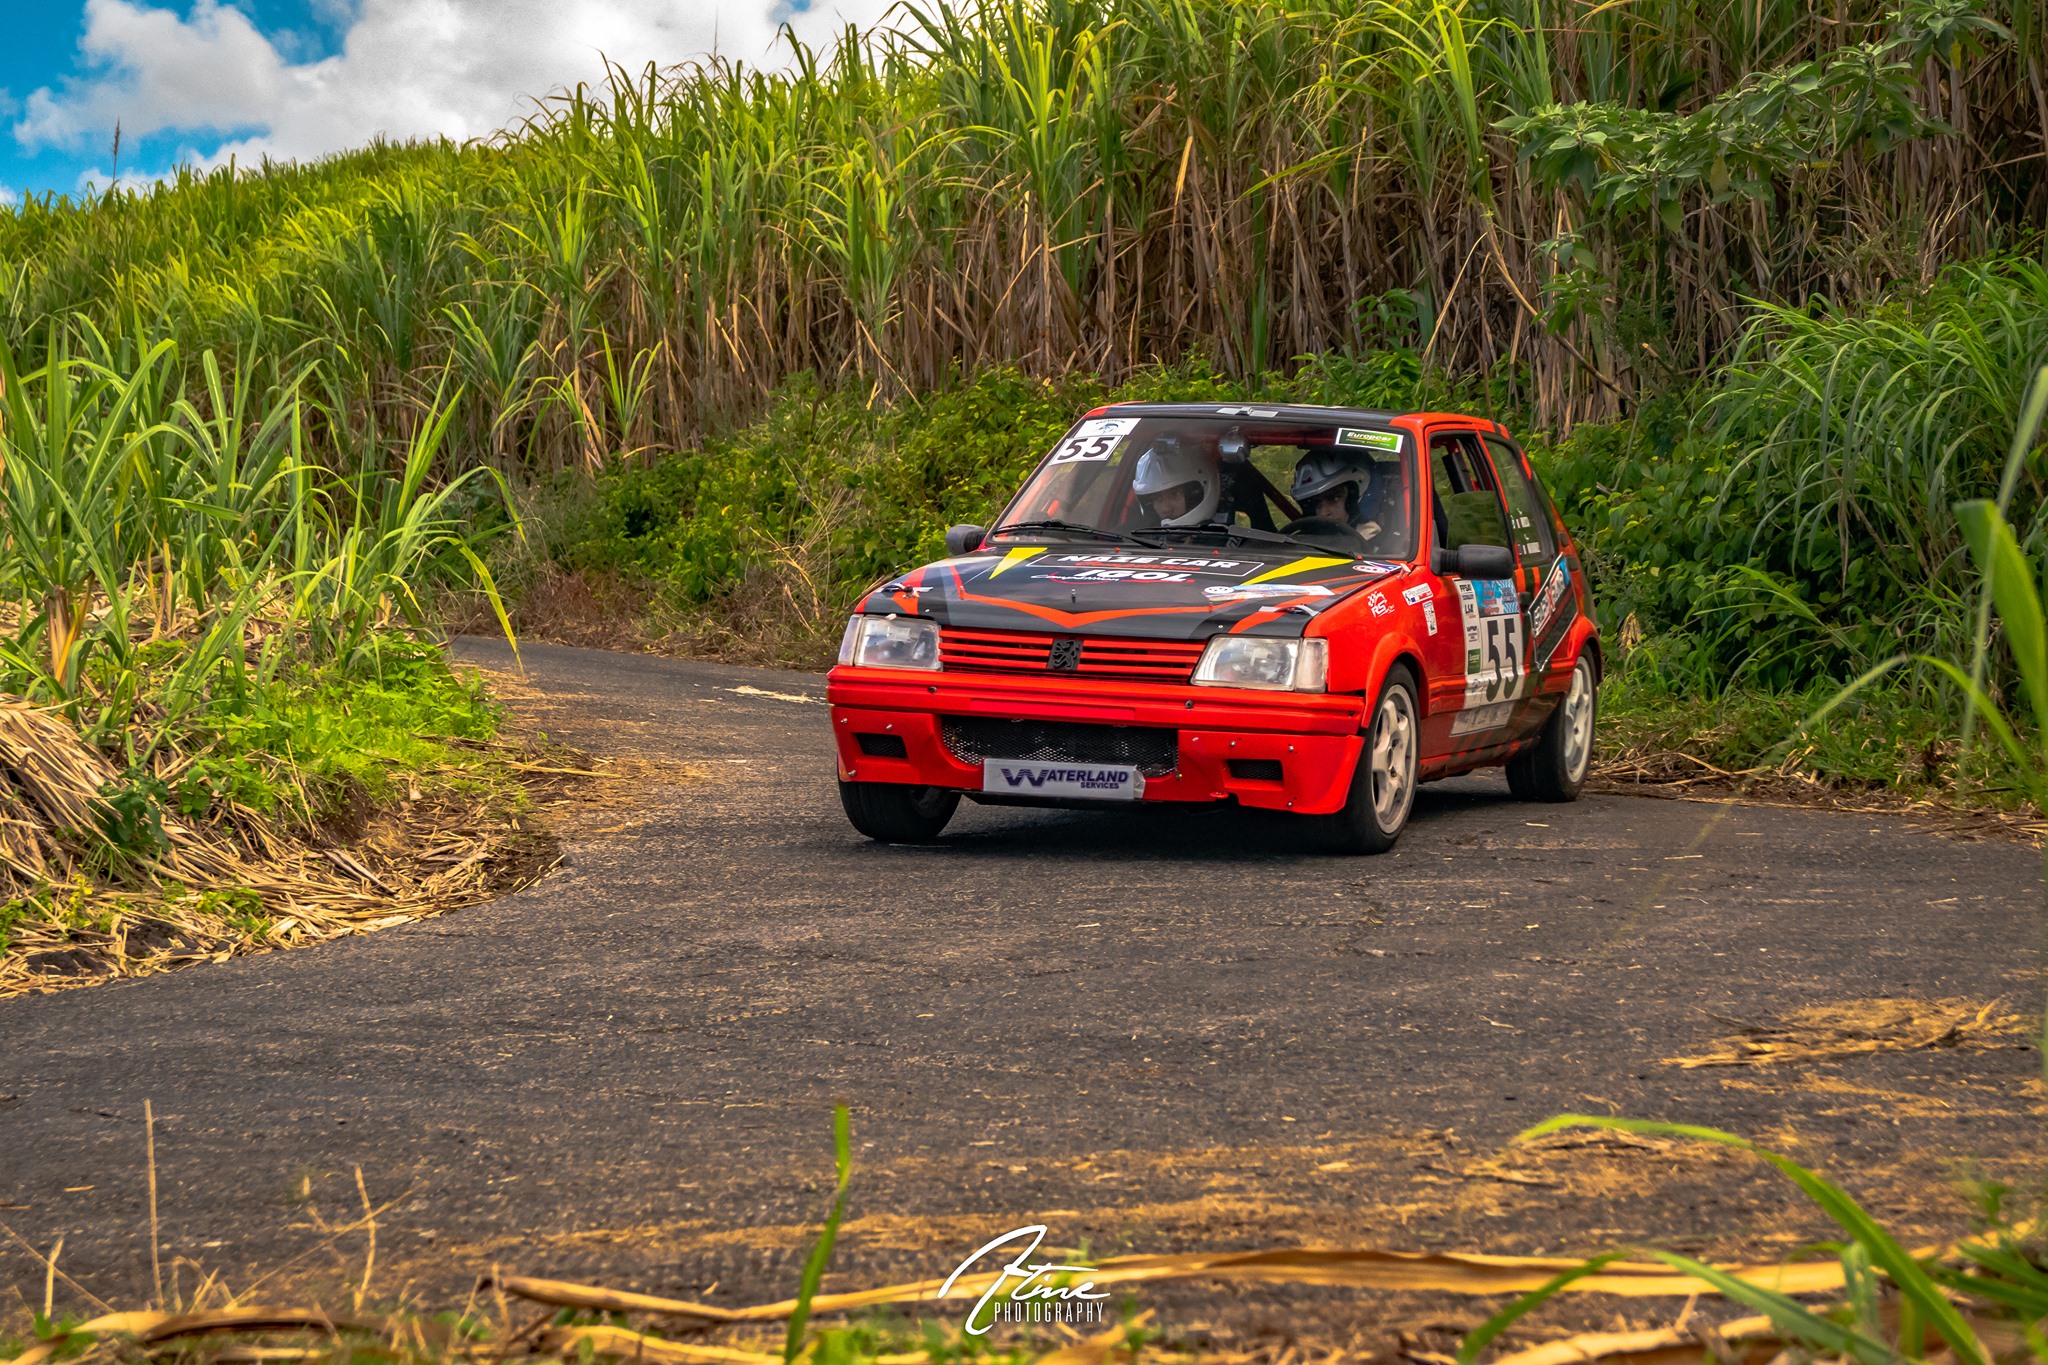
{"x": 1475, "y": 696}
{"x": 1543, "y": 578}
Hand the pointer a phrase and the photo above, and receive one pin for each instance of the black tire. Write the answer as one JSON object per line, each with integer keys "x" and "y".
{"x": 897, "y": 812}
{"x": 1377, "y": 809}
{"x": 1554, "y": 768}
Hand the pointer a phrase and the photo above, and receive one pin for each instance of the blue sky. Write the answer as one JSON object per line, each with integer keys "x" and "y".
{"x": 199, "y": 81}
{"x": 43, "y": 52}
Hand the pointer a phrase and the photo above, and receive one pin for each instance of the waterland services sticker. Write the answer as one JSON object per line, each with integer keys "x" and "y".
{"x": 1082, "y": 781}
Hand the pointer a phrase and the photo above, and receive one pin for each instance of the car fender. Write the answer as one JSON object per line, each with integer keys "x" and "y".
{"x": 1390, "y": 648}
{"x": 1585, "y": 639}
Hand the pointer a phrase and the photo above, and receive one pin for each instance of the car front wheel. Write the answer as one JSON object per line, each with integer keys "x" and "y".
{"x": 898, "y": 813}
{"x": 1555, "y": 767}
{"x": 1383, "y": 785}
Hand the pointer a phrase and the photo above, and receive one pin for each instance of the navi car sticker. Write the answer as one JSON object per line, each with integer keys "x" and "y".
{"x": 1224, "y": 568}
{"x": 1096, "y": 440}
{"x": 1369, "y": 440}
{"x": 1421, "y": 592}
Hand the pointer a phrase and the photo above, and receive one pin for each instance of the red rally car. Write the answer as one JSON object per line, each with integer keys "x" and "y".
{"x": 1301, "y": 608}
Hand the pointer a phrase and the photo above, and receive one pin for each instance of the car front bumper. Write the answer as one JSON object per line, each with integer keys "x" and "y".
{"x": 1315, "y": 739}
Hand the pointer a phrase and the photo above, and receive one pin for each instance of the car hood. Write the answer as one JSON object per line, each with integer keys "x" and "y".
{"x": 1186, "y": 593}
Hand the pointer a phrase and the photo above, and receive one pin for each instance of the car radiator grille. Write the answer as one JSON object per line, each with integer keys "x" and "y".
{"x": 1007, "y": 651}
{"x": 971, "y": 739}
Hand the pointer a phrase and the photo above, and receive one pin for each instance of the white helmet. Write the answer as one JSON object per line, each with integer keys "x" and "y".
{"x": 1166, "y": 465}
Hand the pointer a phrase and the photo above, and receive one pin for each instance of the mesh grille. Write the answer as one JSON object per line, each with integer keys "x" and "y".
{"x": 1011, "y": 651}
{"x": 1152, "y": 752}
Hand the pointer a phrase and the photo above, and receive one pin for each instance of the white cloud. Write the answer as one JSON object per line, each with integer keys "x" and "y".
{"x": 406, "y": 68}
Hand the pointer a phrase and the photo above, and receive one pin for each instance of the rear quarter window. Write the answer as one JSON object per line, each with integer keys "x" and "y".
{"x": 1528, "y": 513}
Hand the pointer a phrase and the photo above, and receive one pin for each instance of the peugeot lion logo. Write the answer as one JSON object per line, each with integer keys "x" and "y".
{"x": 1065, "y": 656}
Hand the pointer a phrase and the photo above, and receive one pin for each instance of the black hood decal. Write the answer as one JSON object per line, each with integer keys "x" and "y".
{"x": 1182, "y": 594}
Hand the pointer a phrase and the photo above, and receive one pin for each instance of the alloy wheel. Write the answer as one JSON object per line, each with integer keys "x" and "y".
{"x": 1578, "y": 722}
{"x": 1393, "y": 758}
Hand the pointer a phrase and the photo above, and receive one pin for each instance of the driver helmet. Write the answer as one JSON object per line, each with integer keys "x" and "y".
{"x": 1320, "y": 472}
{"x": 1169, "y": 464}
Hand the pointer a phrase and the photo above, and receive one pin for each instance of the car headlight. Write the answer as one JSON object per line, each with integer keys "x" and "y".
{"x": 890, "y": 642}
{"x": 1250, "y": 661}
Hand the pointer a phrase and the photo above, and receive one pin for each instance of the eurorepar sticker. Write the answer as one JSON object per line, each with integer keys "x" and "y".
{"x": 1368, "y": 440}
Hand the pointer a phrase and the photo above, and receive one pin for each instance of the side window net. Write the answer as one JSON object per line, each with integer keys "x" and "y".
{"x": 1468, "y": 508}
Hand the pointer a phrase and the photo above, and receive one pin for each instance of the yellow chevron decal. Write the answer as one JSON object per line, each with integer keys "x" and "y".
{"x": 1309, "y": 565}
{"x": 1014, "y": 558}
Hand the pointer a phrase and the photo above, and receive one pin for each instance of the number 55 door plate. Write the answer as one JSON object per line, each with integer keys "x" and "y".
{"x": 1496, "y": 641}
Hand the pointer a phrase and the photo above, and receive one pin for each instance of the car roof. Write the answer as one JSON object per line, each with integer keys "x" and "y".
{"x": 1283, "y": 412}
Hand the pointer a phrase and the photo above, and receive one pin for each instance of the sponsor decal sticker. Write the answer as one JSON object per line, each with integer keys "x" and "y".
{"x": 1117, "y": 576}
{"x": 1477, "y": 718}
{"x": 1374, "y": 566}
{"x": 1107, "y": 782}
{"x": 1368, "y": 440}
{"x": 1495, "y": 596}
{"x": 1421, "y": 592}
{"x": 1240, "y": 591}
{"x": 1549, "y": 596}
{"x": 1379, "y": 604}
{"x": 1429, "y": 616}
{"x": 1096, "y": 440}
{"x": 1228, "y": 568}
{"x": 1555, "y": 610}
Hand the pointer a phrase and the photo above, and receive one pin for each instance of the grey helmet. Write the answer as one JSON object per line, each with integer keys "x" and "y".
{"x": 1323, "y": 471}
{"x": 1167, "y": 463}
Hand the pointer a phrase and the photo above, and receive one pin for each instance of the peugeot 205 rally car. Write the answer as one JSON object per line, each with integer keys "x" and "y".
{"x": 1299, "y": 608}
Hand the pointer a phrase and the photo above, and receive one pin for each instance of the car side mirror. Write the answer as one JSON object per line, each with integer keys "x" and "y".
{"x": 1474, "y": 561}
{"x": 964, "y": 540}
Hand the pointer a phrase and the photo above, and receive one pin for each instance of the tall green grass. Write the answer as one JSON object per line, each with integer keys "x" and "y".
{"x": 1575, "y": 194}
{"x": 169, "y": 547}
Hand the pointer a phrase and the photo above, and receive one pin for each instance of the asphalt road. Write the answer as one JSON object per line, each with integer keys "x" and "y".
{"x": 1153, "y": 1030}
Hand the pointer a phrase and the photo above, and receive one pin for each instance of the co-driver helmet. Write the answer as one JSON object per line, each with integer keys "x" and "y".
{"x": 1322, "y": 471}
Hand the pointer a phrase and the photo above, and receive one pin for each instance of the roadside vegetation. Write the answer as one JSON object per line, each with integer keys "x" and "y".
{"x": 1859, "y": 1296}
{"x": 216, "y": 700}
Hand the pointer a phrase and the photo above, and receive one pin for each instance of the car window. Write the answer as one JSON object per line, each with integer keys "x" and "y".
{"x": 1468, "y": 507}
{"x": 1180, "y": 477}
{"x": 1527, "y": 518}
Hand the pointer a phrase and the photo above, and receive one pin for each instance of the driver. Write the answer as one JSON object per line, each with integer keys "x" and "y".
{"x": 1330, "y": 485}
{"x": 1177, "y": 482}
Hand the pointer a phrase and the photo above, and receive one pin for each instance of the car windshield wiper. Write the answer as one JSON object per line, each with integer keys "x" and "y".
{"x": 1070, "y": 527}
{"x": 1233, "y": 534}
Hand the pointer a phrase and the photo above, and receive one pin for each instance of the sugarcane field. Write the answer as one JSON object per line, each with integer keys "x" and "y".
{"x": 560, "y": 801}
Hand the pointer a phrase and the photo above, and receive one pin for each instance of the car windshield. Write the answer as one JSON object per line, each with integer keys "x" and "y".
{"x": 1158, "y": 479}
